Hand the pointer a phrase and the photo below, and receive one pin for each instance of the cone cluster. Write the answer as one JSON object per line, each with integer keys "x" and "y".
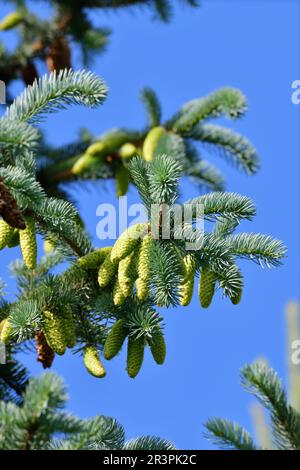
{"x": 135, "y": 347}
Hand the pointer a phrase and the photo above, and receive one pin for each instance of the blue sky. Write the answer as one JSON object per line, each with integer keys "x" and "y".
{"x": 252, "y": 45}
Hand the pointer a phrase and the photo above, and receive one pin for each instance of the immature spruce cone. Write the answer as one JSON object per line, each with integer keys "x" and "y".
{"x": 84, "y": 163}
{"x": 118, "y": 296}
{"x": 142, "y": 289}
{"x": 144, "y": 258}
{"x": 29, "y": 73}
{"x": 9, "y": 209}
{"x": 59, "y": 55}
{"x": 10, "y": 21}
{"x": 6, "y": 232}
{"x": 45, "y": 354}
{"x": 151, "y": 142}
{"x": 122, "y": 181}
{"x": 92, "y": 362}
{"x": 106, "y": 271}
{"x": 135, "y": 356}
{"x": 115, "y": 339}
{"x": 14, "y": 239}
{"x": 28, "y": 244}
{"x": 235, "y": 299}
{"x": 68, "y": 327}
{"x": 127, "y": 273}
{"x": 127, "y": 241}
{"x": 158, "y": 348}
{"x": 6, "y": 331}
{"x": 54, "y": 332}
{"x": 94, "y": 259}
{"x": 186, "y": 288}
{"x": 206, "y": 287}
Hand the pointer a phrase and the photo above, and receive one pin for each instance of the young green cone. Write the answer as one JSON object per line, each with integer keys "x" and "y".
{"x": 135, "y": 356}
{"x": 68, "y": 327}
{"x": 127, "y": 242}
{"x": 186, "y": 288}
{"x": 144, "y": 258}
{"x": 54, "y": 330}
{"x": 127, "y": 273}
{"x": 118, "y": 296}
{"x": 5, "y": 331}
{"x": 142, "y": 289}
{"x": 206, "y": 287}
{"x": 106, "y": 271}
{"x": 6, "y": 232}
{"x": 128, "y": 150}
{"x": 48, "y": 246}
{"x": 10, "y": 21}
{"x": 235, "y": 299}
{"x": 28, "y": 244}
{"x": 151, "y": 142}
{"x": 14, "y": 239}
{"x": 158, "y": 348}
{"x": 94, "y": 259}
{"x": 122, "y": 181}
{"x": 92, "y": 362}
{"x": 115, "y": 339}
{"x": 84, "y": 163}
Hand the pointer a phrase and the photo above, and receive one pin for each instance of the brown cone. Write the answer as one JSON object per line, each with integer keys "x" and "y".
{"x": 45, "y": 354}
{"x": 9, "y": 209}
{"x": 59, "y": 55}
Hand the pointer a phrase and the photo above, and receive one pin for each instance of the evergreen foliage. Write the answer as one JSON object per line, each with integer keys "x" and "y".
{"x": 264, "y": 384}
{"x": 40, "y": 422}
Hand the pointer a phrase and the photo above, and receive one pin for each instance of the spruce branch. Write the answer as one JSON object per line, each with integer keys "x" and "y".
{"x": 55, "y": 92}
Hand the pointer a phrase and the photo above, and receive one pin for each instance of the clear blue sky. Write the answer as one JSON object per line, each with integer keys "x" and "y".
{"x": 252, "y": 45}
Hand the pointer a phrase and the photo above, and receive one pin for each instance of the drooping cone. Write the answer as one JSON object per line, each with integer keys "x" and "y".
{"x": 127, "y": 241}
{"x": 122, "y": 181}
{"x": 151, "y": 142}
{"x": 54, "y": 332}
{"x": 45, "y": 354}
{"x": 118, "y": 296}
{"x": 28, "y": 244}
{"x": 186, "y": 288}
{"x": 94, "y": 259}
{"x": 127, "y": 272}
{"x": 106, "y": 271}
{"x": 6, "y": 232}
{"x": 6, "y": 330}
{"x": 84, "y": 163}
{"x": 128, "y": 150}
{"x": 135, "y": 356}
{"x": 59, "y": 55}
{"x": 68, "y": 327}
{"x": 235, "y": 299}
{"x": 10, "y": 21}
{"x": 206, "y": 287}
{"x": 158, "y": 348}
{"x": 92, "y": 362}
{"x": 142, "y": 289}
{"x": 115, "y": 339}
{"x": 144, "y": 258}
{"x": 14, "y": 239}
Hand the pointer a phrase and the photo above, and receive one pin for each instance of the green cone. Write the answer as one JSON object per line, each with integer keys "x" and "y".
{"x": 142, "y": 289}
{"x": 118, "y": 296}
{"x": 127, "y": 273}
{"x": 94, "y": 259}
{"x": 28, "y": 244}
{"x": 6, "y": 232}
{"x": 54, "y": 332}
{"x": 135, "y": 356}
{"x": 127, "y": 241}
{"x": 115, "y": 340}
{"x": 206, "y": 287}
{"x": 158, "y": 348}
{"x": 92, "y": 362}
{"x": 151, "y": 142}
{"x": 10, "y": 21}
{"x": 106, "y": 271}
{"x": 6, "y": 331}
{"x": 186, "y": 288}
{"x": 122, "y": 181}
